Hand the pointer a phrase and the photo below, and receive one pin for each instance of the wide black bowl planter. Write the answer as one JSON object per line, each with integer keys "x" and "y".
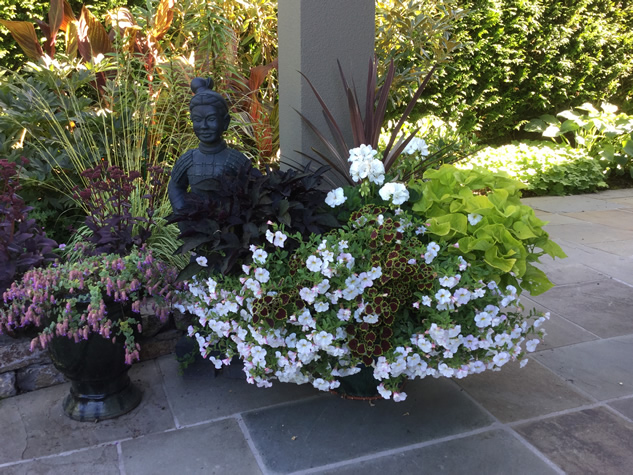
{"x": 100, "y": 386}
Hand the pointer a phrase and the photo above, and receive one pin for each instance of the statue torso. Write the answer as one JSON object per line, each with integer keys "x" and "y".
{"x": 213, "y": 165}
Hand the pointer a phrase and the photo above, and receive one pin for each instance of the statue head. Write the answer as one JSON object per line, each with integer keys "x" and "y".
{"x": 209, "y": 112}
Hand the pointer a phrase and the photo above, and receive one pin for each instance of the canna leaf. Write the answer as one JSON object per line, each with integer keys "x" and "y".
{"x": 23, "y": 33}
{"x": 162, "y": 19}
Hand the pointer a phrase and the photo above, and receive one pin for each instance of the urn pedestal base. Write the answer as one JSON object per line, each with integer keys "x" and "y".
{"x": 99, "y": 400}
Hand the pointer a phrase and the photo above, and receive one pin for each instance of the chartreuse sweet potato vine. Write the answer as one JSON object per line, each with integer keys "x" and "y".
{"x": 482, "y": 212}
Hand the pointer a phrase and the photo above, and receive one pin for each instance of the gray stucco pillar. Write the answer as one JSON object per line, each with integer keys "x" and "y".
{"x": 313, "y": 34}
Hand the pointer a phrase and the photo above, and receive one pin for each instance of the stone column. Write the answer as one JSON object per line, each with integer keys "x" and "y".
{"x": 313, "y": 34}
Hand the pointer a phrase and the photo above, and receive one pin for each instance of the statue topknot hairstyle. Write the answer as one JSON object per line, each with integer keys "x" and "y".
{"x": 203, "y": 94}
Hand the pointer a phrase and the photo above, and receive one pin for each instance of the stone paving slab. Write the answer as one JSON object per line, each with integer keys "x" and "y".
{"x": 558, "y": 330}
{"x": 40, "y": 428}
{"x": 198, "y": 396}
{"x": 617, "y": 219}
{"x": 515, "y": 393}
{"x": 553, "y": 219}
{"x": 218, "y": 448}
{"x": 601, "y": 368}
{"x": 587, "y": 233}
{"x": 616, "y": 267}
{"x": 570, "y": 204}
{"x": 618, "y": 248}
{"x": 563, "y": 272}
{"x": 623, "y": 201}
{"x": 624, "y": 407}
{"x": 602, "y": 308}
{"x": 591, "y": 441}
{"x": 485, "y": 453}
{"x": 612, "y": 194}
{"x": 328, "y": 430}
{"x": 97, "y": 461}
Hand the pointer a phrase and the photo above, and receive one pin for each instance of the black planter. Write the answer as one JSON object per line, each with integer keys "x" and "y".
{"x": 100, "y": 386}
{"x": 361, "y": 385}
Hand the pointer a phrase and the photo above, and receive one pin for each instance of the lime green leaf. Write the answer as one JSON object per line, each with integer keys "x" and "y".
{"x": 522, "y": 230}
{"x": 492, "y": 257}
{"x": 535, "y": 281}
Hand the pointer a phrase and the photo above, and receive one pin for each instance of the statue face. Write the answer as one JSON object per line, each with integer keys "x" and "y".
{"x": 209, "y": 123}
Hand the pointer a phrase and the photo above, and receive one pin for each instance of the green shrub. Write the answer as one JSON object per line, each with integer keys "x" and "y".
{"x": 546, "y": 168}
{"x": 522, "y": 59}
{"x": 603, "y": 134}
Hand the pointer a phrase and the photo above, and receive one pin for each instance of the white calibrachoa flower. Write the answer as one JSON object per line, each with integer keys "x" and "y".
{"x": 531, "y": 345}
{"x": 202, "y": 261}
{"x": 371, "y": 318}
{"x": 279, "y": 239}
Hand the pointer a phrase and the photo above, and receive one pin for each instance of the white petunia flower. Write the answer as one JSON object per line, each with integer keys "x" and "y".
{"x": 321, "y": 306}
{"x": 279, "y": 239}
{"x": 384, "y": 392}
{"x": 399, "y": 396}
{"x": 307, "y": 295}
{"x": 321, "y": 384}
{"x": 531, "y": 344}
{"x": 202, "y": 261}
{"x": 462, "y": 296}
{"x": 323, "y": 286}
{"x": 371, "y": 318}
{"x": 262, "y": 275}
{"x": 501, "y": 358}
{"x": 483, "y": 319}
{"x": 473, "y": 219}
{"x": 323, "y": 339}
{"x": 259, "y": 256}
{"x": 443, "y": 296}
{"x": 314, "y": 264}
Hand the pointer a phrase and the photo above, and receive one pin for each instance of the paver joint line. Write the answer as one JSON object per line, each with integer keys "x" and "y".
{"x": 251, "y": 445}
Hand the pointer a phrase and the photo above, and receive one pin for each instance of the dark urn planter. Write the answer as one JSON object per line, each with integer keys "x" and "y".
{"x": 100, "y": 386}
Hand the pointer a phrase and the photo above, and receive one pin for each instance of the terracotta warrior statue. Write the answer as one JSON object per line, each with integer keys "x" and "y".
{"x": 212, "y": 159}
